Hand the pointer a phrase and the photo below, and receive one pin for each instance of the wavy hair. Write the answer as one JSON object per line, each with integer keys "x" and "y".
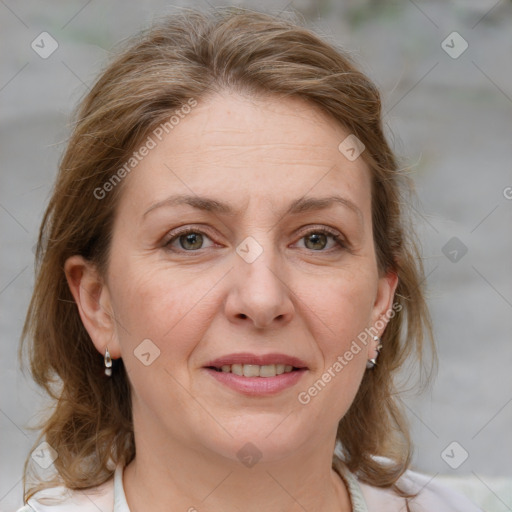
{"x": 193, "y": 55}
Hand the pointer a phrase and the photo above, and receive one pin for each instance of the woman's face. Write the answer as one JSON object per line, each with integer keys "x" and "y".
{"x": 259, "y": 278}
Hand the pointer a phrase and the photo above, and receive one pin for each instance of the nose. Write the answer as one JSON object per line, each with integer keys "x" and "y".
{"x": 259, "y": 292}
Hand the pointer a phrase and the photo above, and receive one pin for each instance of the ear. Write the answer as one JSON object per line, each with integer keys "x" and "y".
{"x": 94, "y": 305}
{"x": 384, "y": 301}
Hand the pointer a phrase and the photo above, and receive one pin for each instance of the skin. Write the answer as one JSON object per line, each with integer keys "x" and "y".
{"x": 302, "y": 296}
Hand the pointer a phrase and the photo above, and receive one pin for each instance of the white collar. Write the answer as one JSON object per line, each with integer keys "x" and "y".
{"x": 120, "y": 504}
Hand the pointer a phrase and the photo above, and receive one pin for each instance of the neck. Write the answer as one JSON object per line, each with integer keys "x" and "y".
{"x": 173, "y": 476}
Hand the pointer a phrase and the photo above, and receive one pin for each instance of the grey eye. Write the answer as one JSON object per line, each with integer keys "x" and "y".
{"x": 318, "y": 241}
{"x": 191, "y": 241}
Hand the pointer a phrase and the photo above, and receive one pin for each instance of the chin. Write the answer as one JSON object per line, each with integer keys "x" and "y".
{"x": 256, "y": 441}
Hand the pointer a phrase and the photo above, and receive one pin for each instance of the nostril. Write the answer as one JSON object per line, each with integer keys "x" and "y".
{"x": 242, "y": 315}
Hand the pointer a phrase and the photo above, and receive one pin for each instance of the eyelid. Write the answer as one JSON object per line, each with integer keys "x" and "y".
{"x": 321, "y": 228}
{"x": 184, "y": 230}
{"x": 336, "y": 235}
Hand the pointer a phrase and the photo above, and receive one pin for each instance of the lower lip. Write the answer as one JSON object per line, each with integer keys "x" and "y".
{"x": 257, "y": 385}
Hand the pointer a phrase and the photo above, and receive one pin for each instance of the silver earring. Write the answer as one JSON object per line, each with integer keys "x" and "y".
{"x": 108, "y": 363}
{"x": 372, "y": 362}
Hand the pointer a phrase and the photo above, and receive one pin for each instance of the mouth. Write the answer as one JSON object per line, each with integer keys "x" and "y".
{"x": 254, "y": 370}
{"x": 257, "y": 375}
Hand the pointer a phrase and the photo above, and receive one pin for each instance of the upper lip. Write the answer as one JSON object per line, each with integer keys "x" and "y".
{"x": 260, "y": 360}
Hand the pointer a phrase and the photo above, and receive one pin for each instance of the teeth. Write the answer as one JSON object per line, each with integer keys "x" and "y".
{"x": 251, "y": 370}
{"x": 254, "y": 370}
{"x": 237, "y": 369}
{"x": 268, "y": 370}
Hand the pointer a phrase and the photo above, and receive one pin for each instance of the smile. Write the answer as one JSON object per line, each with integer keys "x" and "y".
{"x": 256, "y": 374}
{"x": 254, "y": 370}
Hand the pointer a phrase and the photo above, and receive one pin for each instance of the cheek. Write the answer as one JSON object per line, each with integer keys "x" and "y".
{"x": 340, "y": 312}
{"x": 156, "y": 305}
{"x": 156, "y": 333}
{"x": 342, "y": 308}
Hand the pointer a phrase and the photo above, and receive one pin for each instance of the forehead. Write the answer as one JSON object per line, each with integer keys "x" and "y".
{"x": 247, "y": 147}
{"x": 271, "y": 127}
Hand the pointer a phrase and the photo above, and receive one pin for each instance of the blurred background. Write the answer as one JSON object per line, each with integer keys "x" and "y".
{"x": 445, "y": 73}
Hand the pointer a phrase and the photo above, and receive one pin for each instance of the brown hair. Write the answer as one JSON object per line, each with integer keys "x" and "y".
{"x": 184, "y": 56}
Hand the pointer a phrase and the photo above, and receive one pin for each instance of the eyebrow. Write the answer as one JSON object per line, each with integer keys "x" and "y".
{"x": 301, "y": 205}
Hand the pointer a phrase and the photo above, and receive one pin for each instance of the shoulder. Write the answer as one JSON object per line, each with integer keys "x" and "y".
{"x": 63, "y": 499}
{"x": 431, "y": 495}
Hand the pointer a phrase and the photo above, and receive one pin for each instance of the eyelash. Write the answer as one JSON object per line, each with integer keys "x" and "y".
{"x": 342, "y": 245}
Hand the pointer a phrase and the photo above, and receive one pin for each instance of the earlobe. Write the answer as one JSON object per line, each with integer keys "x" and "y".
{"x": 382, "y": 309}
{"x": 93, "y": 301}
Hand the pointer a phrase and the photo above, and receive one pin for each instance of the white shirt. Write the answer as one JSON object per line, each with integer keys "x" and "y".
{"x": 110, "y": 497}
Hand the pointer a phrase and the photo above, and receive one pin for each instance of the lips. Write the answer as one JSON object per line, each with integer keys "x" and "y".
{"x": 257, "y": 360}
{"x": 257, "y": 375}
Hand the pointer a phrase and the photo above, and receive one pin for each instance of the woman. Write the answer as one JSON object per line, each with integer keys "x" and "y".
{"x": 227, "y": 286}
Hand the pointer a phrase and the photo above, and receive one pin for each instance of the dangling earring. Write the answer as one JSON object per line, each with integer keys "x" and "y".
{"x": 372, "y": 362}
{"x": 108, "y": 363}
